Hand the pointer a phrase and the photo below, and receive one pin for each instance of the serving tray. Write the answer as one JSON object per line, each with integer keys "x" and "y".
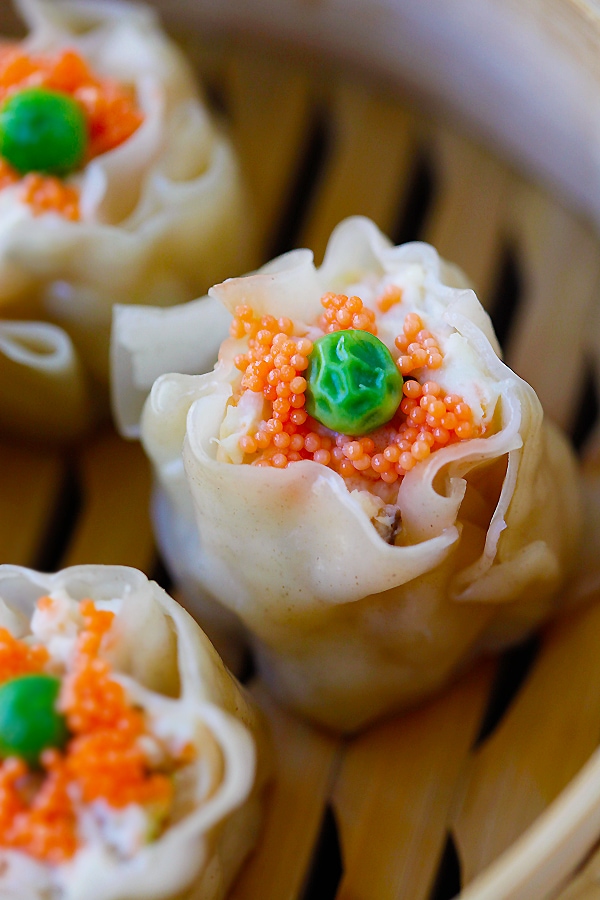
{"x": 476, "y": 790}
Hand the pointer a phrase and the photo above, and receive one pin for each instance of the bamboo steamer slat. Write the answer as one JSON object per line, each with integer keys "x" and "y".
{"x": 395, "y": 789}
{"x": 527, "y": 790}
{"x": 586, "y": 886}
{"x": 31, "y": 483}
{"x": 270, "y": 109}
{"x": 304, "y": 764}
{"x": 466, "y": 223}
{"x": 561, "y": 266}
{"x": 540, "y": 861}
{"x": 540, "y": 745}
{"x": 113, "y": 527}
{"x": 372, "y": 135}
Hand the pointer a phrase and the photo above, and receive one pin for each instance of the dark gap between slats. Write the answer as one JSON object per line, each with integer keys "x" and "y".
{"x": 586, "y": 414}
{"x": 417, "y": 201}
{"x": 247, "y": 671}
{"x": 308, "y": 174}
{"x": 506, "y": 295}
{"x": 194, "y": 47}
{"x": 11, "y": 23}
{"x": 161, "y": 574}
{"x": 216, "y": 97}
{"x": 447, "y": 883}
{"x": 326, "y": 868}
{"x": 514, "y": 667}
{"x": 61, "y": 524}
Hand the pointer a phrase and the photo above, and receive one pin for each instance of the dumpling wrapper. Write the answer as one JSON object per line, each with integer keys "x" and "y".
{"x": 163, "y": 216}
{"x": 159, "y": 648}
{"x": 346, "y": 626}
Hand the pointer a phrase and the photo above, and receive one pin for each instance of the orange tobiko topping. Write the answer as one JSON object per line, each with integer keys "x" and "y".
{"x": 103, "y": 760}
{"x": 418, "y": 347}
{"x": 18, "y": 658}
{"x": 111, "y": 111}
{"x": 389, "y": 297}
{"x": 109, "y": 765}
{"x": 112, "y": 115}
{"x": 343, "y": 312}
{"x": 273, "y": 365}
{"x": 8, "y": 176}
{"x": 426, "y": 420}
{"x": 432, "y": 420}
{"x": 44, "y": 193}
{"x": 46, "y": 827}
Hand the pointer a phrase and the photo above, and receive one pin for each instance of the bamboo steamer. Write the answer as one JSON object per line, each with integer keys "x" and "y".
{"x": 473, "y": 125}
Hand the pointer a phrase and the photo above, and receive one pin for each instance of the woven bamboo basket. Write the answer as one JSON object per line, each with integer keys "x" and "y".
{"x": 472, "y": 125}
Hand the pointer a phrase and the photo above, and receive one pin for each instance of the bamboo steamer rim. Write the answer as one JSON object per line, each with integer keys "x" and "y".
{"x": 525, "y": 75}
{"x": 551, "y": 849}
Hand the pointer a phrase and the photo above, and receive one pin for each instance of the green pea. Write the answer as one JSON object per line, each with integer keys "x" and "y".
{"x": 29, "y": 722}
{"x": 43, "y": 131}
{"x": 354, "y": 385}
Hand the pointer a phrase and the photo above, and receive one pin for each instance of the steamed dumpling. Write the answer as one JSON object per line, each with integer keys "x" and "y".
{"x": 367, "y": 567}
{"x": 153, "y": 214}
{"x": 155, "y": 790}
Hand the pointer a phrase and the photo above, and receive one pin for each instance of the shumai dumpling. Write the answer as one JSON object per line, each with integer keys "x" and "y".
{"x": 377, "y": 497}
{"x": 115, "y": 186}
{"x": 133, "y": 765}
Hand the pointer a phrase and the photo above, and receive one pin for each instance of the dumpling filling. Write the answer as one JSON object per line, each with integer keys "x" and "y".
{"x": 268, "y": 421}
{"x": 41, "y": 143}
{"x": 99, "y": 760}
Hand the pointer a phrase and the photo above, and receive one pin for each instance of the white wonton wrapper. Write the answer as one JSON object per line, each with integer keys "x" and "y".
{"x": 163, "y": 217}
{"x": 159, "y": 649}
{"x": 347, "y": 626}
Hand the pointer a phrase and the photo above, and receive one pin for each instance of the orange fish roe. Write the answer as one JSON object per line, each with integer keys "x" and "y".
{"x": 102, "y": 761}
{"x": 427, "y": 419}
{"x": 272, "y": 366}
{"x": 346, "y": 312}
{"x": 104, "y": 757}
{"x": 417, "y": 346}
{"x": 8, "y": 176}
{"x": 45, "y": 193}
{"x": 12, "y": 771}
{"x": 18, "y": 658}
{"x": 109, "y": 765}
{"x": 433, "y": 420}
{"x": 112, "y": 114}
{"x": 390, "y": 297}
{"x": 46, "y": 828}
{"x": 110, "y": 109}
